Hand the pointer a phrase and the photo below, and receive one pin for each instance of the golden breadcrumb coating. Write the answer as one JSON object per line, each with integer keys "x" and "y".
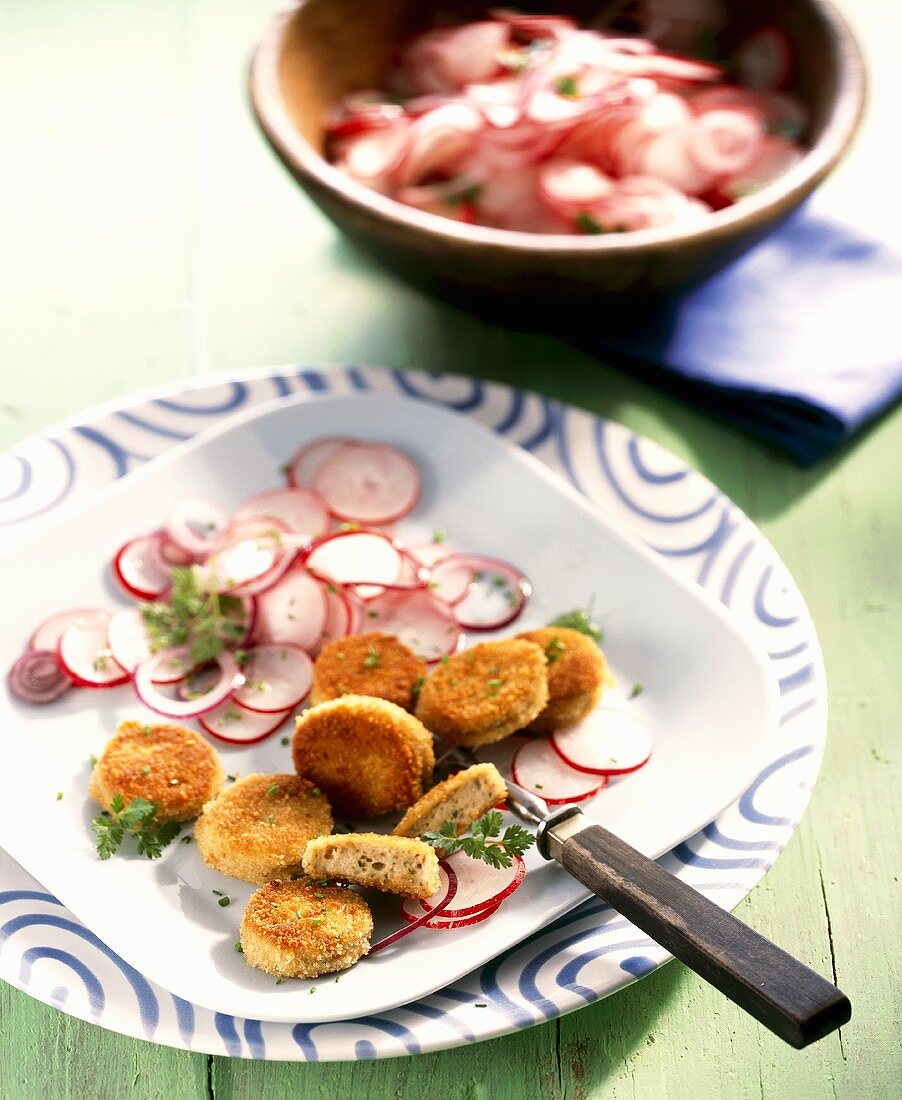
{"x": 257, "y": 829}
{"x": 462, "y": 798}
{"x": 367, "y": 664}
{"x": 393, "y": 864}
{"x": 303, "y": 929}
{"x": 577, "y": 675}
{"x": 174, "y": 767}
{"x": 485, "y": 693}
{"x": 369, "y": 755}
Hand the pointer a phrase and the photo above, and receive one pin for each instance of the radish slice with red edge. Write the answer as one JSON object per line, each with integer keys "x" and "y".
{"x": 276, "y": 678}
{"x": 442, "y": 923}
{"x": 368, "y": 482}
{"x": 338, "y": 617}
{"x": 230, "y": 678}
{"x": 173, "y": 556}
{"x": 175, "y": 669}
{"x": 496, "y": 592}
{"x": 356, "y": 609}
{"x": 429, "y": 554}
{"x": 36, "y": 677}
{"x": 140, "y": 569}
{"x": 446, "y": 893}
{"x": 84, "y": 655}
{"x": 479, "y": 885}
{"x": 301, "y": 470}
{"x": 419, "y": 620}
{"x": 236, "y": 567}
{"x": 128, "y": 639}
{"x": 539, "y": 769}
{"x": 294, "y": 610}
{"x": 235, "y": 725}
{"x": 195, "y": 523}
{"x": 48, "y": 634}
{"x": 300, "y": 510}
{"x": 608, "y": 741}
{"x": 356, "y": 557}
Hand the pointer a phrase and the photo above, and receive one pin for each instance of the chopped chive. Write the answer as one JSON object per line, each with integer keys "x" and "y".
{"x": 224, "y": 902}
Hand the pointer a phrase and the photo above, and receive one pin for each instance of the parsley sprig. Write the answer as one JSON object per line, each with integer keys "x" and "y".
{"x": 581, "y": 619}
{"x": 138, "y": 819}
{"x": 485, "y": 841}
{"x": 205, "y": 621}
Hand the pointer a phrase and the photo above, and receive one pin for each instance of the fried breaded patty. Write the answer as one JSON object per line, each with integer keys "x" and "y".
{"x": 485, "y": 693}
{"x": 369, "y": 755}
{"x": 257, "y": 829}
{"x": 169, "y": 765}
{"x": 462, "y": 798}
{"x": 367, "y": 664}
{"x": 393, "y": 864}
{"x": 303, "y": 929}
{"x": 576, "y": 676}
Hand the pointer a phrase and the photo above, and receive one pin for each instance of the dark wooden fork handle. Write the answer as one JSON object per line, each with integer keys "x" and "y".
{"x": 785, "y": 995}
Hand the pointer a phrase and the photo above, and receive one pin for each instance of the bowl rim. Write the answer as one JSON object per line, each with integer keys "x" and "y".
{"x": 780, "y": 196}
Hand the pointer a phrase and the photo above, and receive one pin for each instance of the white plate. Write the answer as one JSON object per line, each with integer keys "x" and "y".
{"x": 712, "y": 708}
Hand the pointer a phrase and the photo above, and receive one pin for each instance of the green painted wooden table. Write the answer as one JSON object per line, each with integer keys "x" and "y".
{"x": 148, "y": 235}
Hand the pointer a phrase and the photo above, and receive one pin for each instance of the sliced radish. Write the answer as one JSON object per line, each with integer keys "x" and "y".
{"x": 175, "y": 669}
{"x": 356, "y": 610}
{"x": 147, "y": 687}
{"x": 36, "y": 677}
{"x": 293, "y": 611}
{"x": 356, "y": 557}
{"x": 725, "y": 141}
{"x": 539, "y": 769}
{"x": 48, "y": 634}
{"x": 429, "y": 554}
{"x": 368, "y": 482}
{"x": 568, "y": 186}
{"x": 238, "y": 567}
{"x": 442, "y": 923}
{"x": 446, "y": 892}
{"x": 301, "y": 510}
{"x": 85, "y": 656}
{"x": 173, "y": 556}
{"x": 479, "y": 885}
{"x": 607, "y": 742}
{"x": 419, "y": 620}
{"x": 338, "y": 616}
{"x": 276, "y": 678}
{"x": 128, "y": 639}
{"x": 139, "y": 568}
{"x": 195, "y": 523}
{"x": 302, "y": 469}
{"x": 495, "y": 593}
{"x": 235, "y": 725}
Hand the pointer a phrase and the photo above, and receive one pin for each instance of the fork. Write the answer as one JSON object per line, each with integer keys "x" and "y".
{"x": 784, "y": 994}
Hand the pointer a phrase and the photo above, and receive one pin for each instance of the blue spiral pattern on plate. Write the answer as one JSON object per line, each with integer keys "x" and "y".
{"x": 586, "y": 954}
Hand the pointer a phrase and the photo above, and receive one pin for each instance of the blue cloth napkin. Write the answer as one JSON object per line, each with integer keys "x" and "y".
{"x": 799, "y": 341}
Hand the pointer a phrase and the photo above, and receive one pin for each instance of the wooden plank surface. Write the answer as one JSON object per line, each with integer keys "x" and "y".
{"x": 148, "y": 235}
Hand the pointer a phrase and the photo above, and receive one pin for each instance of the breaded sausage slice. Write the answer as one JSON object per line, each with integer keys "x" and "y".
{"x": 393, "y": 864}
{"x": 462, "y": 798}
{"x": 169, "y": 765}
{"x": 302, "y": 929}
{"x": 369, "y": 756}
{"x": 485, "y": 693}
{"x": 576, "y": 676}
{"x": 257, "y": 829}
{"x": 367, "y": 664}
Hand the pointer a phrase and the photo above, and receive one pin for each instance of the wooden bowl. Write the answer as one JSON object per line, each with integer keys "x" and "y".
{"x": 317, "y": 51}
